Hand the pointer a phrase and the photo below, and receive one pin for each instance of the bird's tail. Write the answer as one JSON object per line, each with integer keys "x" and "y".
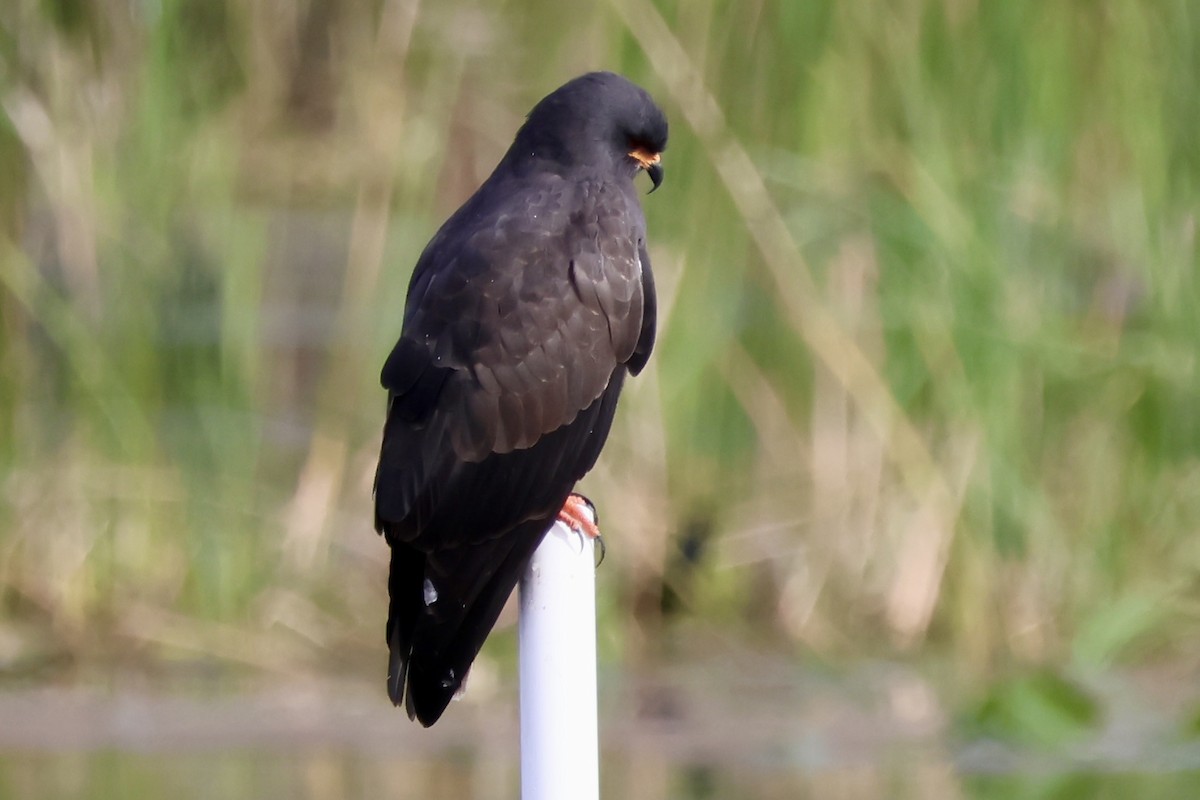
{"x": 407, "y": 569}
{"x": 443, "y": 606}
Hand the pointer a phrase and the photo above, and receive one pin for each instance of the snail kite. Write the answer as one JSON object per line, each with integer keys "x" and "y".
{"x": 524, "y": 314}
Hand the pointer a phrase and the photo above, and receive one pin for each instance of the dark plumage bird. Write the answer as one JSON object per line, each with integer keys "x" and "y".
{"x": 524, "y": 314}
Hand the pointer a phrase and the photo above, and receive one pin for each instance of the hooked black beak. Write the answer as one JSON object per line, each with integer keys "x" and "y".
{"x": 651, "y": 162}
{"x": 655, "y": 171}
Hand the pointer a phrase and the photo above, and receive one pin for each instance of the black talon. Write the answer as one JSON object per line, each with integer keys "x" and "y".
{"x": 591, "y": 507}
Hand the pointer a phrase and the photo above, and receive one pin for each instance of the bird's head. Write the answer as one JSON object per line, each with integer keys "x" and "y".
{"x": 599, "y": 119}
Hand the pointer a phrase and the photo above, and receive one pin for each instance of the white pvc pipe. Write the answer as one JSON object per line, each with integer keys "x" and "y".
{"x": 560, "y": 757}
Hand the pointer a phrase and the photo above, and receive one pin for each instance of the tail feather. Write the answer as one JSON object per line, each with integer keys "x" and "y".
{"x": 405, "y": 575}
{"x": 433, "y": 644}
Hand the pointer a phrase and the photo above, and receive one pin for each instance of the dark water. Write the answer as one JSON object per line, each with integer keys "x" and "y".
{"x": 879, "y": 733}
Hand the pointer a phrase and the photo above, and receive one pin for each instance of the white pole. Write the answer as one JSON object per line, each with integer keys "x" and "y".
{"x": 560, "y": 757}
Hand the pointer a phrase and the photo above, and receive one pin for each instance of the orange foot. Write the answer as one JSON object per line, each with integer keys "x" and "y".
{"x": 579, "y": 515}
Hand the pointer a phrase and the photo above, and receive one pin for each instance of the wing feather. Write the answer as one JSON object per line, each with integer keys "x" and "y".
{"x": 516, "y": 311}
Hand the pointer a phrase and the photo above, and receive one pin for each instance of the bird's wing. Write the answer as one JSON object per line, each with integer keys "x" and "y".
{"x": 512, "y": 328}
{"x": 645, "y": 342}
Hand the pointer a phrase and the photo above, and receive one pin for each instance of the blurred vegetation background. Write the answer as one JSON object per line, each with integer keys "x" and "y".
{"x": 927, "y": 375}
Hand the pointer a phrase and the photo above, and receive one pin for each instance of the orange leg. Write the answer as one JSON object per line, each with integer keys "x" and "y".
{"x": 578, "y": 513}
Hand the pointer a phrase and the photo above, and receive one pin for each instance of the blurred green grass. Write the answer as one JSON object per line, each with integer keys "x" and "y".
{"x": 927, "y": 376}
